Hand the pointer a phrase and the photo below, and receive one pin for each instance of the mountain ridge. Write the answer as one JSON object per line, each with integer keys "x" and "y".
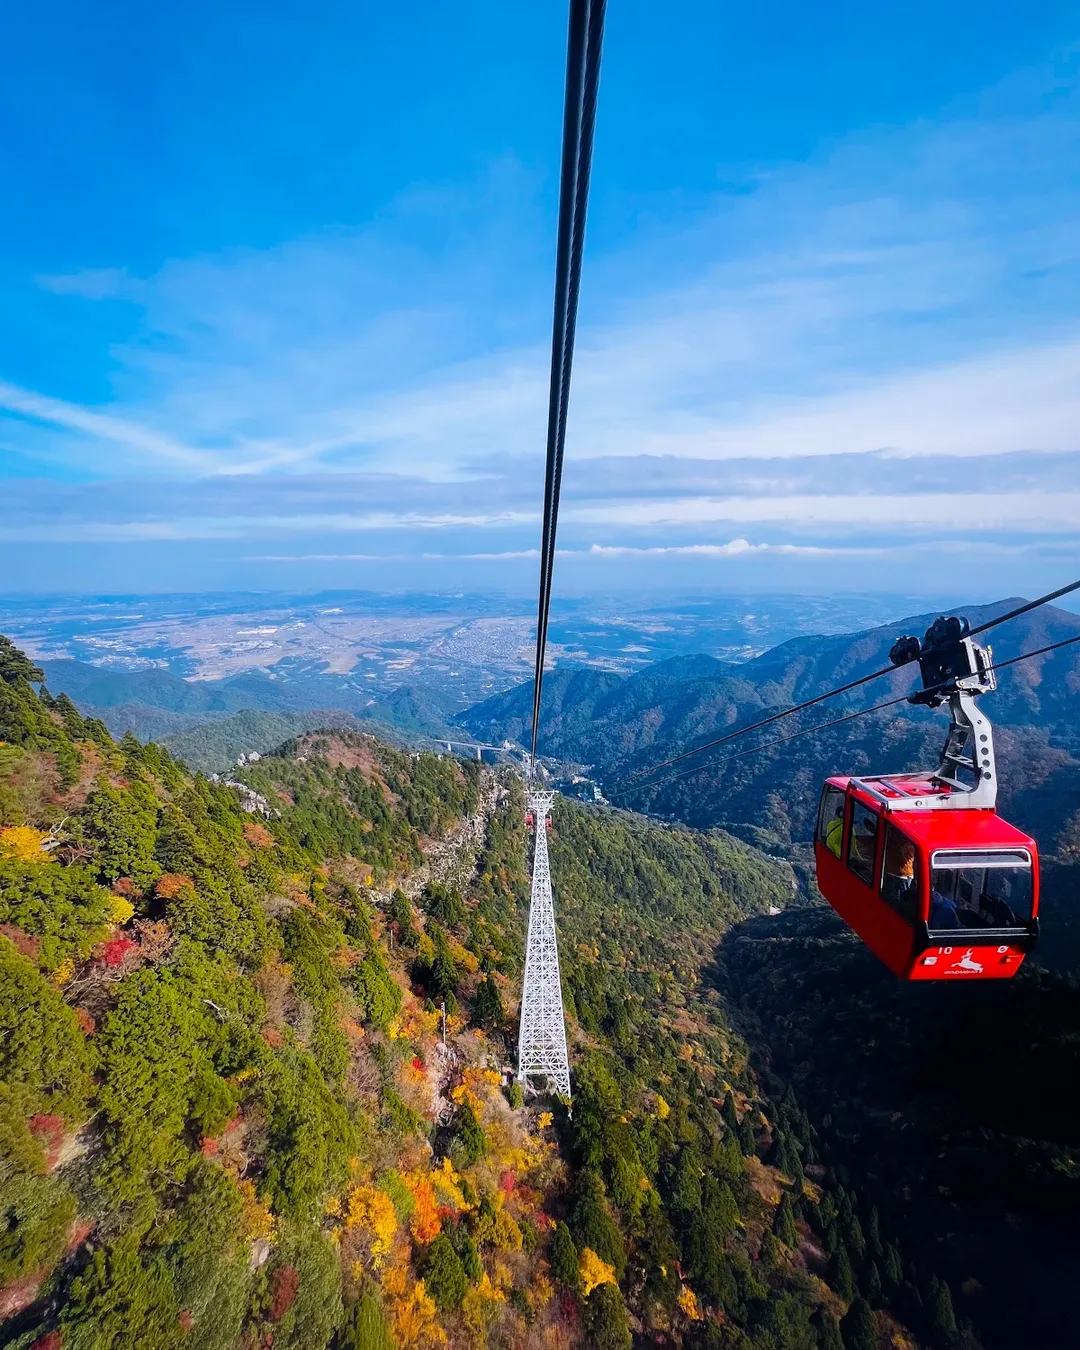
{"x": 620, "y": 726}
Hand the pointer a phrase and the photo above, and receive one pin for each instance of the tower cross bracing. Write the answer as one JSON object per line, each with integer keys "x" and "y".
{"x": 542, "y": 1031}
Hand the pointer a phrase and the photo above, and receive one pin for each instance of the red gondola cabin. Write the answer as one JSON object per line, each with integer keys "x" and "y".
{"x": 920, "y": 865}
{"x": 936, "y": 894}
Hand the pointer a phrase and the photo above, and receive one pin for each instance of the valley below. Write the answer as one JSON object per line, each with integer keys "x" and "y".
{"x": 232, "y": 1114}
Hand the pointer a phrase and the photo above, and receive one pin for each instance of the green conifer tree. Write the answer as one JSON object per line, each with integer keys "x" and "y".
{"x": 857, "y": 1327}
{"x": 564, "y": 1257}
{"x": 592, "y": 1224}
{"x": 607, "y": 1326}
{"x": 487, "y": 1008}
{"x": 940, "y": 1314}
{"x": 400, "y": 912}
{"x": 840, "y": 1274}
{"x": 747, "y": 1135}
{"x": 470, "y": 1141}
{"x": 852, "y": 1233}
{"x": 444, "y": 1275}
{"x": 873, "y": 1234}
{"x": 365, "y": 1326}
{"x": 827, "y": 1330}
{"x": 893, "y": 1273}
{"x": 784, "y": 1222}
{"x": 771, "y": 1253}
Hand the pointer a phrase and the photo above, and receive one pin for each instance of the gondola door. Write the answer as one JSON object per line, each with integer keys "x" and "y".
{"x": 851, "y": 845}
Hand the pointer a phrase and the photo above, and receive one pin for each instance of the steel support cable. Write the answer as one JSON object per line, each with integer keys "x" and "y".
{"x": 846, "y": 688}
{"x": 824, "y": 726}
{"x": 584, "y": 41}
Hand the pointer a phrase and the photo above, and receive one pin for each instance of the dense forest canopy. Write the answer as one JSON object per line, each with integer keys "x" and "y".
{"x": 253, "y": 1042}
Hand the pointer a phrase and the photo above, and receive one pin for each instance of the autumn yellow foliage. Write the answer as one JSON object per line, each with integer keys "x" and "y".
{"x": 63, "y": 972}
{"x": 689, "y": 1304}
{"x": 447, "y": 1188}
{"x": 257, "y": 1219}
{"x": 593, "y": 1270}
{"x": 497, "y": 1228}
{"x": 413, "y": 1320}
{"x": 480, "y": 1306}
{"x": 23, "y": 843}
{"x": 545, "y": 1120}
{"x": 373, "y": 1211}
{"x": 120, "y": 909}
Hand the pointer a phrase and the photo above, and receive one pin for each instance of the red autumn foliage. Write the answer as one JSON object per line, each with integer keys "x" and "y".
{"x": 284, "y": 1287}
{"x": 186, "y": 1320}
{"x": 125, "y": 886}
{"x": 52, "y": 1340}
{"x": 506, "y": 1183}
{"x": 208, "y": 1147}
{"x": 24, "y": 943}
{"x": 418, "y": 1064}
{"x": 87, "y": 1025}
{"x": 170, "y": 884}
{"x": 49, "y": 1132}
{"x": 113, "y": 952}
{"x": 273, "y": 1038}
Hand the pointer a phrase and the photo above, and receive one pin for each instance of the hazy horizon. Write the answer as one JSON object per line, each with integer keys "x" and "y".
{"x": 279, "y": 319}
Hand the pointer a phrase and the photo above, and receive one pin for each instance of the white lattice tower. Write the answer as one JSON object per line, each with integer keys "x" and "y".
{"x": 542, "y": 1033}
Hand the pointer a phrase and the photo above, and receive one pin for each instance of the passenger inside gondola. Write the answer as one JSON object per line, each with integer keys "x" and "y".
{"x": 863, "y": 841}
{"x": 990, "y": 890}
{"x": 898, "y": 887}
{"x": 831, "y": 825}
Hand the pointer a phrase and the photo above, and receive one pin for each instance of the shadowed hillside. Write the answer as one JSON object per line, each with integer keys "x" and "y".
{"x": 953, "y": 1107}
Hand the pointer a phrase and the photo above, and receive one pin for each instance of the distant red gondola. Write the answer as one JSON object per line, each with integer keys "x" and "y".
{"x": 920, "y": 865}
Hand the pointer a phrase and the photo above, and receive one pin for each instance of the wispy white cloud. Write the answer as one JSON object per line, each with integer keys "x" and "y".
{"x": 840, "y": 353}
{"x": 104, "y": 427}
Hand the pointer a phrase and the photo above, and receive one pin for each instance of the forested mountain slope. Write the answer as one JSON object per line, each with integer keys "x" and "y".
{"x": 620, "y": 726}
{"x": 157, "y": 705}
{"x": 228, "y": 1118}
{"x": 953, "y": 1107}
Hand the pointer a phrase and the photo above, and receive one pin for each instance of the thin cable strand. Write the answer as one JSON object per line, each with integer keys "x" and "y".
{"x": 823, "y": 726}
{"x": 584, "y": 42}
{"x": 844, "y": 688}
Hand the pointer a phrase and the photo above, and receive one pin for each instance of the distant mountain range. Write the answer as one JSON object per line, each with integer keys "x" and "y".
{"x": 208, "y": 723}
{"x": 624, "y": 726}
{"x": 621, "y": 726}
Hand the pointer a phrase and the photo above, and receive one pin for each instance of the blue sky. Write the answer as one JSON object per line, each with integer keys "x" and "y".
{"x": 275, "y": 284}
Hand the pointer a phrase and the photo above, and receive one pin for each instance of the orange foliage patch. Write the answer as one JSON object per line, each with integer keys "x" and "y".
{"x": 258, "y": 836}
{"x": 170, "y": 884}
{"x": 24, "y": 943}
{"x": 81, "y": 1231}
{"x": 426, "y": 1225}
